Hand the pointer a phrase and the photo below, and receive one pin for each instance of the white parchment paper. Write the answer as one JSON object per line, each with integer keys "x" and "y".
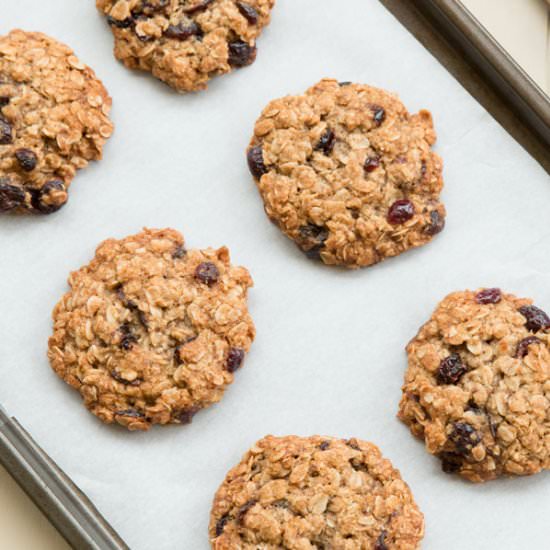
{"x": 329, "y": 357}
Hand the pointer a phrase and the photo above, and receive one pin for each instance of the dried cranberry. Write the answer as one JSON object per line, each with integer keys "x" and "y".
{"x": 207, "y": 273}
{"x": 400, "y": 212}
{"x": 243, "y": 510}
{"x": 451, "y": 369}
{"x": 371, "y": 164}
{"x": 326, "y": 142}
{"x": 183, "y": 31}
{"x": 50, "y": 197}
{"x": 437, "y": 223}
{"x": 381, "y": 541}
{"x": 185, "y": 416}
{"x": 199, "y": 6}
{"x": 241, "y": 54}
{"x": 120, "y": 23}
{"x": 235, "y": 359}
{"x": 11, "y": 196}
{"x": 312, "y": 239}
{"x": 378, "y": 114}
{"x": 536, "y": 319}
{"x": 221, "y": 523}
{"x": 26, "y": 159}
{"x": 256, "y": 164}
{"x": 6, "y": 135}
{"x": 248, "y": 12}
{"x": 523, "y": 346}
{"x": 464, "y": 437}
{"x": 489, "y": 296}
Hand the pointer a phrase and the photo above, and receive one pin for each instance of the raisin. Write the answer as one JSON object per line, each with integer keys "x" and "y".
{"x": 400, "y": 212}
{"x": 11, "y": 196}
{"x": 450, "y": 462}
{"x": 345, "y": 83}
{"x": 436, "y": 225}
{"x": 50, "y": 197}
{"x": 371, "y": 164}
{"x": 312, "y": 240}
{"x": 6, "y": 135}
{"x": 118, "y": 378}
{"x": 185, "y": 416}
{"x": 451, "y": 369}
{"x": 464, "y": 437}
{"x": 183, "y": 31}
{"x": 353, "y": 444}
{"x": 248, "y": 12}
{"x": 221, "y": 523}
{"x": 243, "y": 510}
{"x": 4, "y": 100}
{"x": 235, "y": 359}
{"x": 326, "y": 142}
{"x": 522, "y": 349}
{"x": 380, "y": 543}
{"x": 241, "y": 54}
{"x": 378, "y": 114}
{"x": 256, "y": 164}
{"x": 207, "y": 273}
{"x": 179, "y": 252}
{"x": 128, "y": 339}
{"x": 489, "y": 296}
{"x": 120, "y": 23}
{"x": 199, "y": 6}
{"x": 324, "y": 445}
{"x": 27, "y": 159}
{"x": 536, "y": 319}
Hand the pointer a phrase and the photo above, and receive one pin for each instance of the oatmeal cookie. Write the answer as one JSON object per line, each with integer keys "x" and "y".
{"x": 150, "y": 332}
{"x": 53, "y": 120}
{"x": 477, "y": 388}
{"x": 347, "y": 173}
{"x": 301, "y": 493}
{"x": 186, "y": 42}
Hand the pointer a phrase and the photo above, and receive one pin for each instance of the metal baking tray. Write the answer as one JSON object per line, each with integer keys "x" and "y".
{"x": 468, "y": 51}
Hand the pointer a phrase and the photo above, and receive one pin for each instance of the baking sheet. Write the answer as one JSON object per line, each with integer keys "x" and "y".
{"x": 329, "y": 354}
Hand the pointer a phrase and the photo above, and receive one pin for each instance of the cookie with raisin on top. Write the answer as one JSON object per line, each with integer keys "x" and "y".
{"x": 54, "y": 119}
{"x": 185, "y": 43}
{"x": 477, "y": 388}
{"x": 151, "y": 332}
{"x": 347, "y": 173}
{"x": 315, "y": 492}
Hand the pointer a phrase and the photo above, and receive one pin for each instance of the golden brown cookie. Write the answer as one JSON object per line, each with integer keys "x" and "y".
{"x": 477, "y": 388}
{"x": 186, "y": 42}
{"x": 53, "y": 120}
{"x": 150, "y": 333}
{"x": 307, "y": 493}
{"x": 347, "y": 173}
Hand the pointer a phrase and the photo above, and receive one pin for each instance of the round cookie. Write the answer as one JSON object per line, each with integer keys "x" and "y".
{"x": 150, "y": 333}
{"x": 186, "y": 42}
{"x": 53, "y": 120}
{"x": 301, "y": 493}
{"x": 477, "y": 388}
{"x": 347, "y": 173}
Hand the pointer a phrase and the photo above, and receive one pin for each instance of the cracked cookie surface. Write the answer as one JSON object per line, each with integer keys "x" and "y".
{"x": 347, "y": 173}
{"x": 150, "y": 333}
{"x": 186, "y": 42}
{"x": 477, "y": 388}
{"x": 311, "y": 493}
{"x": 53, "y": 120}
